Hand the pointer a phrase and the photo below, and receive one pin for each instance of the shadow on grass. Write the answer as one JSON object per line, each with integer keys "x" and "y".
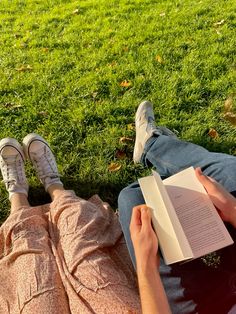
{"x": 226, "y": 147}
{"x": 109, "y": 191}
{"x": 106, "y": 190}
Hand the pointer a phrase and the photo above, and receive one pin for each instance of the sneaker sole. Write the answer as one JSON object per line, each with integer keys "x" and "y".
{"x": 13, "y": 143}
{"x": 138, "y": 149}
{"x": 28, "y": 140}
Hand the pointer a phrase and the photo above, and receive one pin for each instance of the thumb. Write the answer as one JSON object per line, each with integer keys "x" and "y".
{"x": 205, "y": 180}
{"x": 145, "y": 217}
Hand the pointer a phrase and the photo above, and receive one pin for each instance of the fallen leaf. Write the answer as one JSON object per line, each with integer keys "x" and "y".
{"x": 125, "y": 140}
{"x": 9, "y": 105}
{"x": 159, "y": 59}
{"x": 45, "y": 49}
{"x": 125, "y": 84}
{"x": 162, "y": 14}
{"x": 23, "y": 45}
{"x": 76, "y": 11}
{"x": 219, "y": 23}
{"x": 17, "y": 107}
{"x": 231, "y": 117}
{"x": 94, "y": 94}
{"x": 228, "y": 109}
{"x": 114, "y": 166}
{"x": 112, "y": 64}
{"x": 229, "y": 103}
{"x": 213, "y": 133}
{"x": 24, "y": 68}
{"x": 12, "y": 105}
{"x": 43, "y": 113}
{"x": 120, "y": 154}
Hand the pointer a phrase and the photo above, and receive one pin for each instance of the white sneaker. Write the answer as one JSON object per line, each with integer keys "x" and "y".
{"x": 12, "y": 166}
{"x": 37, "y": 150}
{"x": 145, "y": 127}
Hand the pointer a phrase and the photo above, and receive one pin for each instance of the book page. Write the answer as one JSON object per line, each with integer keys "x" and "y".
{"x": 198, "y": 217}
{"x": 153, "y": 191}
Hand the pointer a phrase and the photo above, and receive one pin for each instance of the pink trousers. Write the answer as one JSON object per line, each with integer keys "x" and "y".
{"x": 65, "y": 257}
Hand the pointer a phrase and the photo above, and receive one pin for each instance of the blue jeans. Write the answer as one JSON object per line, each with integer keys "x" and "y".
{"x": 196, "y": 286}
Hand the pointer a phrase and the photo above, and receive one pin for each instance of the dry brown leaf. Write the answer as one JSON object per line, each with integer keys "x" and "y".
{"x": 228, "y": 109}
{"x": 120, "y": 154}
{"x": 159, "y": 59}
{"x": 229, "y": 103}
{"x": 112, "y": 64}
{"x": 126, "y": 49}
{"x": 114, "y": 166}
{"x": 125, "y": 84}
{"x": 43, "y": 113}
{"x": 45, "y": 49}
{"x": 213, "y": 133}
{"x": 231, "y": 117}
{"x": 126, "y": 140}
{"x": 24, "y": 68}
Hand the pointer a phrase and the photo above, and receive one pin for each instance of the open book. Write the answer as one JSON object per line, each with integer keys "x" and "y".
{"x": 183, "y": 216}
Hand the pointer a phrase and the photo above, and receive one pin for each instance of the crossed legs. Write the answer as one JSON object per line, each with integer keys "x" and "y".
{"x": 193, "y": 287}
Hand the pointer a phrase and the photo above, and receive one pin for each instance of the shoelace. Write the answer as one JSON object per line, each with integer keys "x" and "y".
{"x": 45, "y": 166}
{"x": 12, "y": 170}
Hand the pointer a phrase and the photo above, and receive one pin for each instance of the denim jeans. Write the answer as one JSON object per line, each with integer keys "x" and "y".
{"x": 199, "y": 286}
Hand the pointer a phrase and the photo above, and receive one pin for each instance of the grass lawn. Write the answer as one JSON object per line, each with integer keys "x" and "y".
{"x": 75, "y": 71}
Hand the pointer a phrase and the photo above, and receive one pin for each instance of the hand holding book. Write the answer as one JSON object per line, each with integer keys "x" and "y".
{"x": 144, "y": 239}
{"x": 152, "y": 293}
{"x": 183, "y": 215}
{"x": 224, "y": 202}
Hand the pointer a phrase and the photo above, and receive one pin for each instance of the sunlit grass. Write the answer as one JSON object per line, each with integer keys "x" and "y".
{"x": 63, "y": 62}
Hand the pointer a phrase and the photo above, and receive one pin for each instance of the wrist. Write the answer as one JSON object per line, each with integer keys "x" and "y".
{"x": 147, "y": 267}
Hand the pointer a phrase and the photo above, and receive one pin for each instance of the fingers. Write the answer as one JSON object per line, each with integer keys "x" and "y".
{"x": 206, "y": 181}
{"x": 141, "y": 217}
{"x": 222, "y": 199}
{"x": 145, "y": 217}
{"x": 135, "y": 218}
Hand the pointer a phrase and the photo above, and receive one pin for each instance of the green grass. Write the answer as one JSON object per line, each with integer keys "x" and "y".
{"x": 61, "y": 71}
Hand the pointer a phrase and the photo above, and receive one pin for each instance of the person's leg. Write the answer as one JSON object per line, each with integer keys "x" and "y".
{"x": 159, "y": 147}
{"x": 170, "y": 155}
{"x": 30, "y": 281}
{"x": 18, "y": 200}
{"x": 185, "y": 284}
{"x": 95, "y": 267}
{"x": 87, "y": 242}
{"x": 55, "y": 190}
{"x": 190, "y": 287}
